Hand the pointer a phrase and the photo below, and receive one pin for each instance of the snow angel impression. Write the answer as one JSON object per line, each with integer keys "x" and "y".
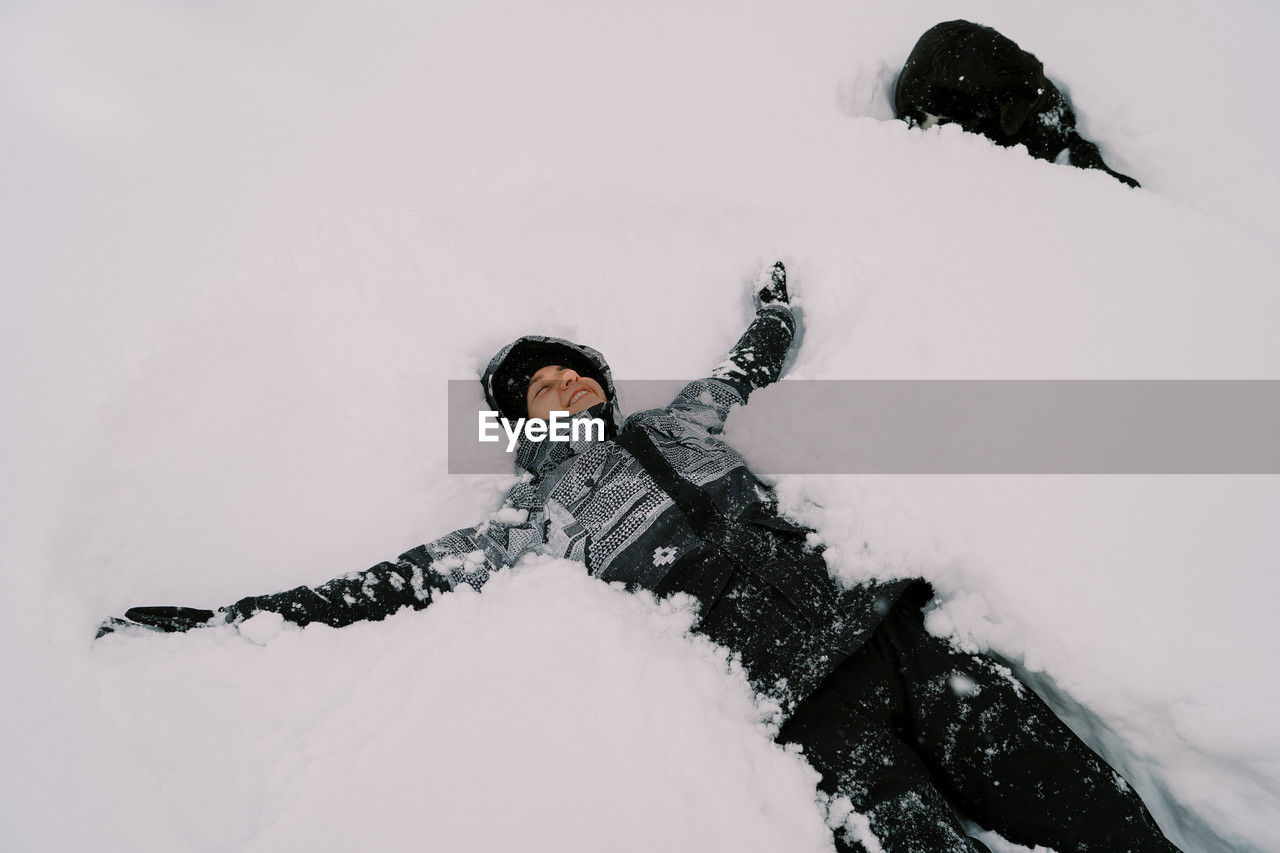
{"x": 908, "y": 732}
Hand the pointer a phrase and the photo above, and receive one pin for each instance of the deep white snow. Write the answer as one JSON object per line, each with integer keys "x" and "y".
{"x": 243, "y": 246}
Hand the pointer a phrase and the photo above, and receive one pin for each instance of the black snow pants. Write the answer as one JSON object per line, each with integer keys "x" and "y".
{"x": 909, "y": 727}
{"x": 894, "y": 719}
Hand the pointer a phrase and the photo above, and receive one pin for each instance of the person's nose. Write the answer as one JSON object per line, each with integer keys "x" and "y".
{"x": 567, "y": 377}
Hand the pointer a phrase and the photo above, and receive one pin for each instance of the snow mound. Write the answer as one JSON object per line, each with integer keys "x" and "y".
{"x": 245, "y": 247}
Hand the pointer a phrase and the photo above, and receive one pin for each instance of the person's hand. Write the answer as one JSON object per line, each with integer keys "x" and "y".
{"x": 167, "y": 619}
{"x": 771, "y": 287}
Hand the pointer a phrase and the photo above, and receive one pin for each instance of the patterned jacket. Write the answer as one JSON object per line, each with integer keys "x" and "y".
{"x": 594, "y": 502}
{"x": 586, "y": 500}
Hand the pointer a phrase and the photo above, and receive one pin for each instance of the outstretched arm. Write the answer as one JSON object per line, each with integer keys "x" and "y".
{"x": 374, "y": 594}
{"x": 468, "y": 556}
{"x": 755, "y": 361}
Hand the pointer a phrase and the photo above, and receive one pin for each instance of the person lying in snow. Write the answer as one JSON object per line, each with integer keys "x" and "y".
{"x": 908, "y": 728}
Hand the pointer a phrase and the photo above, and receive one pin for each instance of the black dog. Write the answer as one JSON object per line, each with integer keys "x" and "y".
{"x": 969, "y": 74}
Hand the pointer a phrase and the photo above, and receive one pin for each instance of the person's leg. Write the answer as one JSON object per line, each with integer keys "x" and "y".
{"x": 847, "y": 733}
{"x": 1005, "y": 759}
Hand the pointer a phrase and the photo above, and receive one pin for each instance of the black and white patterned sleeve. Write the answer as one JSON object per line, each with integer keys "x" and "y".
{"x": 754, "y": 362}
{"x": 757, "y": 359}
{"x": 468, "y": 556}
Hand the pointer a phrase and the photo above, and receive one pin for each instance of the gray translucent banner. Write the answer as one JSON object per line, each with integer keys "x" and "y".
{"x": 964, "y": 426}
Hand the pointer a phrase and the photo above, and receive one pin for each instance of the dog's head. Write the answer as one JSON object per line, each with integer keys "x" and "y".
{"x": 1020, "y": 95}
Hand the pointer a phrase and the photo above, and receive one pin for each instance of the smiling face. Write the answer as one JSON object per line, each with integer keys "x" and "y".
{"x": 560, "y": 389}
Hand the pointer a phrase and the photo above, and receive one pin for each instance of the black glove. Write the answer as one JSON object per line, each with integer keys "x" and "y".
{"x": 167, "y": 619}
{"x": 771, "y": 287}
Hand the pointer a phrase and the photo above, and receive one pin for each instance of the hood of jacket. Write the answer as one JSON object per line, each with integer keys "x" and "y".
{"x": 539, "y": 457}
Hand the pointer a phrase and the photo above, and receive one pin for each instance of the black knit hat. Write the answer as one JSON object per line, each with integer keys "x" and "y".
{"x": 508, "y": 386}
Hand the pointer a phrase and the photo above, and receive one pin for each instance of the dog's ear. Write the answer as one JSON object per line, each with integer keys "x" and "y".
{"x": 1014, "y": 112}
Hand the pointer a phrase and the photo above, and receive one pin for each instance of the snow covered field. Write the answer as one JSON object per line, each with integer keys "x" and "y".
{"x": 244, "y": 245}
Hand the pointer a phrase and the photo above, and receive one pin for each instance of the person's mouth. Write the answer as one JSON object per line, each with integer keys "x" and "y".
{"x": 578, "y": 395}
